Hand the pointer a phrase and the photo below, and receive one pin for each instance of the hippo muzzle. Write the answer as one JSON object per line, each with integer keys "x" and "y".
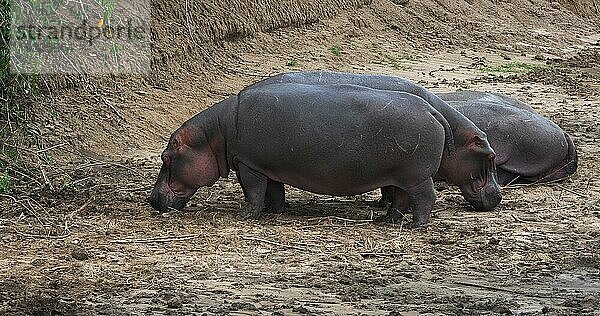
{"x": 165, "y": 196}
{"x": 484, "y": 193}
{"x": 163, "y": 199}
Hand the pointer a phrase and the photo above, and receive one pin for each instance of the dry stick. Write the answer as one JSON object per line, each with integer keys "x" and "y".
{"x": 381, "y": 254}
{"x": 106, "y": 162}
{"x": 50, "y": 148}
{"x": 487, "y": 287}
{"x": 341, "y": 219}
{"x": 36, "y": 151}
{"x": 41, "y": 236}
{"x": 155, "y": 239}
{"x": 274, "y": 243}
{"x": 573, "y": 191}
{"x": 353, "y": 220}
{"x": 86, "y": 204}
{"x": 112, "y": 108}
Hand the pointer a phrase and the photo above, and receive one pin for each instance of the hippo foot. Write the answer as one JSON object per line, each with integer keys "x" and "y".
{"x": 379, "y": 203}
{"x": 382, "y": 203}
{"x": 271, "y": 210}
{"x": 393, "y": 215}
{"x": 249, "y": 214}
{"x": 418, "y": 226}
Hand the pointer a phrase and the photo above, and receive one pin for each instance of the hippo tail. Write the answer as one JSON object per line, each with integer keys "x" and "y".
{"x": 565, "y": 169}
{"x": 571, "y": 159}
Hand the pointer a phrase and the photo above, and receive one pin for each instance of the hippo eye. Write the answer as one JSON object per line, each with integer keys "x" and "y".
{"x": 165, "y": 158}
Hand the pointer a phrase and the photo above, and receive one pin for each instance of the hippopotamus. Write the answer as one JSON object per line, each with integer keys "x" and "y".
{"x": 529, "y": 147}
{"x": 469, "y": 161}
{"x": 334, "y": 139}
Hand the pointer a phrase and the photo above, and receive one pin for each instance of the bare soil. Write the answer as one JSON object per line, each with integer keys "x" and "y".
{"x": 92, "y": 246}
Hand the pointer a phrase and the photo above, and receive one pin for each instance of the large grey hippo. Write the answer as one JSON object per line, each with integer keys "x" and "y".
{"x": 469, "y": 162}
{"x": 331, "y": 139}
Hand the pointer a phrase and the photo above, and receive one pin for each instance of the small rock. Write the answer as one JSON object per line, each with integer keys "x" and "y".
{"x": 400, "y": 2}
{"x": 547, "y": 309}
{"x": 80, "y": 254}
{"x": 174, "y": 302}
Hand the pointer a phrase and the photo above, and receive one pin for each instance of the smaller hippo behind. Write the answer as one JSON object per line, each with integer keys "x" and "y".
{"x": 330, "y": 139}
{"x": 529, "y": 148}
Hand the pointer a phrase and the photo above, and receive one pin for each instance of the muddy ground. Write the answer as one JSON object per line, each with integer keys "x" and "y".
{"x": 93, "y": 247}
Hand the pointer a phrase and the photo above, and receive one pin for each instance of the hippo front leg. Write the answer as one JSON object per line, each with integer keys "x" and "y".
{"x": 254, "y": 185}
{"x": 421, "y": 198}
{"x": 275, "y": 197}
{"x": 400, "y": 203}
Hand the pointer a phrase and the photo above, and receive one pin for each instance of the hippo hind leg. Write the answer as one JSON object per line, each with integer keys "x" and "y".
{"x": 422, "y": 198}
{"x": 275, "y": 197}
{"x": 399, "y": 203}
{"x": 254, "y": 185}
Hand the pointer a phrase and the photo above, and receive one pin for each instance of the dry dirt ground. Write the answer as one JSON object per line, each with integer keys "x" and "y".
{"x": 95, "y": 248}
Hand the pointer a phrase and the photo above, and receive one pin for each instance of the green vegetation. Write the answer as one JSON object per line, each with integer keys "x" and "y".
{"x": 510, "y": 68}
{"x": 292, "y": 63}
{"x": 5, "y": 156}
{"x": 15, "y": 90}
{"x": 396, "y": 62}
{"x": 336, "y": 50}
{"x": 4, "y": 182}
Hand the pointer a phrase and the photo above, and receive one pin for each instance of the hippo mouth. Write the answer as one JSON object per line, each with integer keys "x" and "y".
{"x": 164, "y": 198}
{"x": 483, "y": 192}
{"x": 484, "y": 177}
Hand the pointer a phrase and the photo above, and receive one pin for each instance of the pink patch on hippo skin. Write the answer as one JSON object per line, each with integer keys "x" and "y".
{"x": 197, "y": 167}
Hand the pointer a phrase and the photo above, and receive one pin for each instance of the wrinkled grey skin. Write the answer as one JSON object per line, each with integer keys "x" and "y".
{"x": 469, "y": 161}
{"x": 330, "y": 139}
{"x": 529, "y": 147}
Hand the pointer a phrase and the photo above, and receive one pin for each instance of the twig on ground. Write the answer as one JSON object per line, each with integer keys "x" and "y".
{"x": 574, "y": 192}
{"x": 382, "y": 254}
{"x": 41, "y": 236}
{"x": 57, "y": 268}
{"x": 86, "y": 204}
{"x": 274, "y": 243}
{"x": 155, "y": 239}
{"x": 342, "y": 219}
{"x": 112, "y": 107}
{"x": 492, "y": 288}
{"x": 516, "y": 218}
{"x": 107, "y": 162}
{"x": 49, "y": 148}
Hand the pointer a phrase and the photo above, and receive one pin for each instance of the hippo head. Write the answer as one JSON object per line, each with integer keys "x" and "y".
{"x": 473, "y": 168}
{"x": 189, "y": 162}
